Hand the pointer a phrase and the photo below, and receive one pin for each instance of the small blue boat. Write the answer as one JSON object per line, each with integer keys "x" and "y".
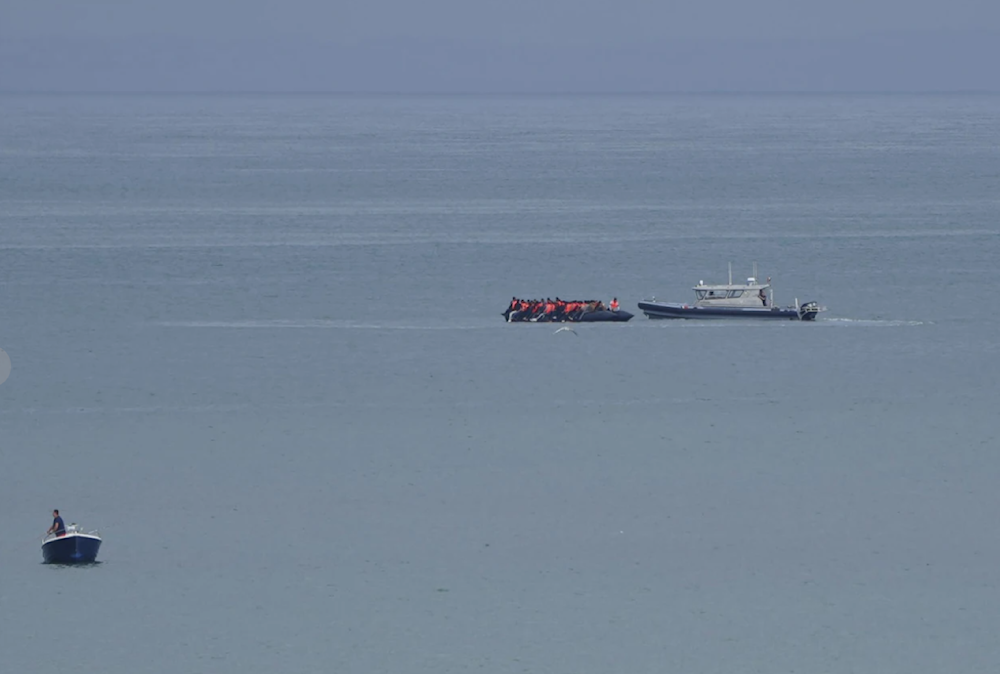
{"x": 72, "y": 547}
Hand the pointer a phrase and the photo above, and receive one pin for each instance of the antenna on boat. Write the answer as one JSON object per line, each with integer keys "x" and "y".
{"x": 730, "y": 273}
{"x": 754, "y": 272}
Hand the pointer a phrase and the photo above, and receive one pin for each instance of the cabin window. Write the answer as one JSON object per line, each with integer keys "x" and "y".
{"x": 735, "y": 293}
{"x": 716, "y": 294}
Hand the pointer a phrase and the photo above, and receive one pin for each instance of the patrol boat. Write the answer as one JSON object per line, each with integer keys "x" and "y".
{"x": 72, "y": 547}
{"x": 732, "y": 300}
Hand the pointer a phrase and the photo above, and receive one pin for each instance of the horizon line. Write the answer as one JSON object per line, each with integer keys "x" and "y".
{"x": 335, "y": 92}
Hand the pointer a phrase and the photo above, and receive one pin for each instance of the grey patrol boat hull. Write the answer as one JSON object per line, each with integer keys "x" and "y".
{"x": 806, "y": 312}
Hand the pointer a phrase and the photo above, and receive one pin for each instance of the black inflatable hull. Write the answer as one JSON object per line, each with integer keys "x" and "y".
{"x": 588, "y": 317}
{"x": 605, "y": 317}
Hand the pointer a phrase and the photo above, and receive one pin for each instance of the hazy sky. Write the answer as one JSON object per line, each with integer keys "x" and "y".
{"x": 551, "y": 21}
{"x": 81, "y": 44}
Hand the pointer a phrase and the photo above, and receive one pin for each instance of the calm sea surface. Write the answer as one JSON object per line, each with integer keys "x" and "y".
{"x": 257, "y": 342}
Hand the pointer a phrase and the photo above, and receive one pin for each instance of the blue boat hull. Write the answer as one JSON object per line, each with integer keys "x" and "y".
{"x": 71, "y": 549}
{"x": 665, "y": 310}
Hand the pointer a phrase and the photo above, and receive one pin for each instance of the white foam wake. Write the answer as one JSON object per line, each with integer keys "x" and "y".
{"x": 872, "y": 322}
{"x": 315, "y": 324}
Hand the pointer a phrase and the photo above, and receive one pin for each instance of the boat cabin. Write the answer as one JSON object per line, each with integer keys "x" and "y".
{"x": 752, "y": 294}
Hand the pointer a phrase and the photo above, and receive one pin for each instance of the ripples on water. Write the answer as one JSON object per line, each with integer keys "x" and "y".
{"x": 257, "y": 342}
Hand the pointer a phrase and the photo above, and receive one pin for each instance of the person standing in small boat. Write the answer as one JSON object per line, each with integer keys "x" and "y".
{"x": 614, "y": 304}
{"x": 57, "y": 528}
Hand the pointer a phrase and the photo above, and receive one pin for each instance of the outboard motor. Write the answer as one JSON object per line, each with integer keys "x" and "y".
{"x": 808, "y": 311}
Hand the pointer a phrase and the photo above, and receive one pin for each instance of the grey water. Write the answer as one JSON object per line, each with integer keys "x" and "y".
{"x": 256, "y": 342}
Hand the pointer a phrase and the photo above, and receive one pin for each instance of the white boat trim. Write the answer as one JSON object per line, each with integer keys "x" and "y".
{"x": 72, "y": 531}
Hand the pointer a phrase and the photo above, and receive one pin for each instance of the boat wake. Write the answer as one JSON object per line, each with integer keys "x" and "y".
{"x": 315, "y": 324}
{"x": 375, "y": 405}
{"x": 873, "y": 322}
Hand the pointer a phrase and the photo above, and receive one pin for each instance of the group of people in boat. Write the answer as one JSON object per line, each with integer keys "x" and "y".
{"x": 554, "y": 310}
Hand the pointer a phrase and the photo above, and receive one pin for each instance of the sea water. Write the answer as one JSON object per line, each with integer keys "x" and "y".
{"x": 256, "y": 341}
